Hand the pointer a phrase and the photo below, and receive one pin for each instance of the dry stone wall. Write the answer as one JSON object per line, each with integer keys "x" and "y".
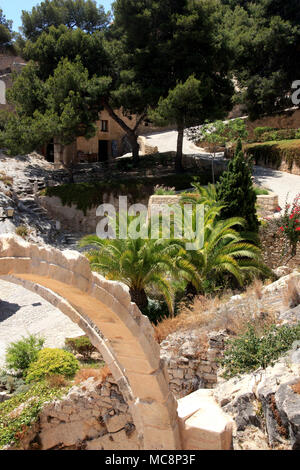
{"x": 92, "y": 416}
{"x": 191, "y": 360}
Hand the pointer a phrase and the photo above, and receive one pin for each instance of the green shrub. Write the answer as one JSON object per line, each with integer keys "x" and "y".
{"x": 269, "y": 134}
{"x": 21, "y": 354}
{"x": 250, "y": 351}
{"x": 81, "y": 345}
{"x": 52, "y": 362}
{"x": 13, "y": 428}
{"x": 259, "y": 131}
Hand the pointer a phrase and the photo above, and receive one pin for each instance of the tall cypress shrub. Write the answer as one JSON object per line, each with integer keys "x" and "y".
{"x": 236, "y": 191}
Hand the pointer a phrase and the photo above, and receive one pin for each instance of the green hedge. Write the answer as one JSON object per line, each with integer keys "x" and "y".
{"x": 274, "y": 153}
{"x": 266, "y": 134}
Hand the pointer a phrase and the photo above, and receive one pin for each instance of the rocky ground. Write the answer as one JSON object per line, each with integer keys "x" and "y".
{"x": 265, "y": 404}
{"x": 20, "y": 179}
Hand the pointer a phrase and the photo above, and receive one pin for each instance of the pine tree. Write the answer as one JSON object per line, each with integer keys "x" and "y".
{"x": 235, "y": 190}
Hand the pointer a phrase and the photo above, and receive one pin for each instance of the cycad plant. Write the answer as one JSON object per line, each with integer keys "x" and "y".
{"x": 225, "y": 251}
{"x": 203, "y": 195}
{"x": 141, "y": 264}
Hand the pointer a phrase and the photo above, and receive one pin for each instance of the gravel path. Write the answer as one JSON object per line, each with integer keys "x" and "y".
{"x": 23, "y": 312}
{"x": 286, "y": 185}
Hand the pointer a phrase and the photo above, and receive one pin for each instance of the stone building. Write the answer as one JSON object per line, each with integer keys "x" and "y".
{"x": 9, "y": 63}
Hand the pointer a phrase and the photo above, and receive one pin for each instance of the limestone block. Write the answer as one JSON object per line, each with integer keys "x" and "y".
{"x": 203, "y": 424}
{"x": 6, "y": 265}
{"x": 13, "y": 246}
{"x": 21, "y": 266}
{"x": 41, "y": 268}
{"x": 81, "y": 282}
{"x": 162, "y": 439}
{"x": 67, "y": 433}
{"x": 208, "y": 429}
{"x": 151, "y": 386}
{"x": 117, "y": 422}
{"x": 78, "y": 264}
{"x": 60, "y": 274}
{"x": 160, "y": 415}
{"x": 190, "y": 404}
{"x": 139, "y": 364}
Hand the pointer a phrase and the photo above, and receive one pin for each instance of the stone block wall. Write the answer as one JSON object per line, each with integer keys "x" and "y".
{"x": 267, "y": 202}
{"x": 92, "y": 416}
{"x": 191, "y": 360}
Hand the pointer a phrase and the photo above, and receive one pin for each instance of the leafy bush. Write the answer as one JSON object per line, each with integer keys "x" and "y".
{"x": 266, "y": 134}
{"x": 21, "y": 354}
{"x": 251, "y": 351}
{"x": 13, "y": 427}
{"x": 52, "y": 362}
{"x": 290, "y": 224}
{"x": 259, "y": 131}
{"x": 81, "y": 345}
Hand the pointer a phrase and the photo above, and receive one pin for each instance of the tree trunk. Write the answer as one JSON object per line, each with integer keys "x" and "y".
{"x": 179, "y": 154}
{"x": 135, "y": 148}
{"x": 213, "y": 168}
{"x": 131, "y": 133}
{"x": 139, "y": 297}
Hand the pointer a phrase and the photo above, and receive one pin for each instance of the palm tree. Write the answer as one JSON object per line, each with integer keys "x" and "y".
{"x": 225, "y": 251}
{"x": 140, "y": 264}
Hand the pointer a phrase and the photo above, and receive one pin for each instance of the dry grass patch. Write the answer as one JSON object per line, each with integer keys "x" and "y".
{"x": 296, "y": 387}
{"x": 218, "y": 313}
{"x": 7, "y": 180}
{"x": 98, "y": 374}
{"x": 198, "y": 315}
{"x": 57, "y": 381}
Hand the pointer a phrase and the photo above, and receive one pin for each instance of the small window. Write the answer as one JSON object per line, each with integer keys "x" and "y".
{"x": 104, "y": 126}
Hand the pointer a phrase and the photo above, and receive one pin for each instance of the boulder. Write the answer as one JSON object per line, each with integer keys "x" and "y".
{"x": 288, "y": 405}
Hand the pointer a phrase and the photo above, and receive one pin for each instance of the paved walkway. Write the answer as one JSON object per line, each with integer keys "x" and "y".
{"x": 23, "y": 313}
{"x": 286, "y": 185}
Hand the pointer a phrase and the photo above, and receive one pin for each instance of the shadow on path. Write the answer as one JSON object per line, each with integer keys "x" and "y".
{"x": 7, "y": 310}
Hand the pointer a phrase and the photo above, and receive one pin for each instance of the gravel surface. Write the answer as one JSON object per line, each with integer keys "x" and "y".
{"x": 23, "y": 312}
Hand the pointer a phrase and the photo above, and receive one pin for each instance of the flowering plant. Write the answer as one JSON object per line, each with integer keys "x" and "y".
{"x": 290, "y": 224}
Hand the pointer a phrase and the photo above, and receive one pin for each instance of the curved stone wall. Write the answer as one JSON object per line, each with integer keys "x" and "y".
{"x": 103, "y": 309}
